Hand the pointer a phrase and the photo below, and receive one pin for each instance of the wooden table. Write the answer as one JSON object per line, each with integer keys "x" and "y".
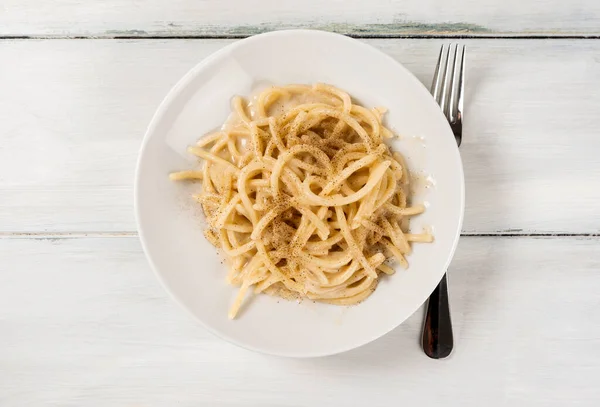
{"x": 83, "y": 321}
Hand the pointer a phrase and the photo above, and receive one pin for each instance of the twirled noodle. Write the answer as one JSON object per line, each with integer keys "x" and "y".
{"x": 303, "y": 196}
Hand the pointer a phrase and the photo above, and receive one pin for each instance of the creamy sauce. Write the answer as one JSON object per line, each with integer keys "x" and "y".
{"x": 420, "y": 183}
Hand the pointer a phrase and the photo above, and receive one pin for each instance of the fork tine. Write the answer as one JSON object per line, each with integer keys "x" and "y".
{"x": 447, "y": 82}
{"x": 461, "y": 86}
{"x": 437, "y": 78}
{"x": 455, "y": 86}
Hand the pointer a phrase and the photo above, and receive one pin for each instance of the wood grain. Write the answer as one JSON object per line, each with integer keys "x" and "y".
{"x": 84, "y": 322}
{"x": 73, "y": 114}
{"x": 118, "y": 18}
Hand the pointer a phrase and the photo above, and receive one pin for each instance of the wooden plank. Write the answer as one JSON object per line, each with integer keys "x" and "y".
{"x": 84, "y": 322}
{"x": 112, "y": 18}
{"x": 73, "y": 113}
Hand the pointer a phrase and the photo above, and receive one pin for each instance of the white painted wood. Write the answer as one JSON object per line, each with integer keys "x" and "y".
{"x": 73, "y": 113}
{"x": 83, "y": 322}
{"x": 245, "y": 17}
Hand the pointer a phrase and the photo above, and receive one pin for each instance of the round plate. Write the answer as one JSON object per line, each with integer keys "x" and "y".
{"x": 170, "y": 223}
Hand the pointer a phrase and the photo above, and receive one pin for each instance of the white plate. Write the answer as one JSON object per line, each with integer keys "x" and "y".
{"x": 170, "y": 224}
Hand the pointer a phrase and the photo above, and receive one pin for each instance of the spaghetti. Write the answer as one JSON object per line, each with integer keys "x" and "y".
{"x": 303, "y": 196}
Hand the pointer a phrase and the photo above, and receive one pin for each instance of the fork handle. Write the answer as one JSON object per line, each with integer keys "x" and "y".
{"x": 438, "y": 340}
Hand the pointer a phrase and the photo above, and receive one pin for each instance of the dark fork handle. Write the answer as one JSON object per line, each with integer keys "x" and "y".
{"x": 438, "y": 340}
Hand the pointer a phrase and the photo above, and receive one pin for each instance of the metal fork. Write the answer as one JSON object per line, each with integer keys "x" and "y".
{"x": 448, "y": 91}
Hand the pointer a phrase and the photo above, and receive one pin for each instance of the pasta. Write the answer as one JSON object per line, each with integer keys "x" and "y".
{"x": 303, "y": 196}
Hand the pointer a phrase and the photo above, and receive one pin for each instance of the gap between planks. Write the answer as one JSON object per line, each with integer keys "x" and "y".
{"x": 457, "y": 36}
